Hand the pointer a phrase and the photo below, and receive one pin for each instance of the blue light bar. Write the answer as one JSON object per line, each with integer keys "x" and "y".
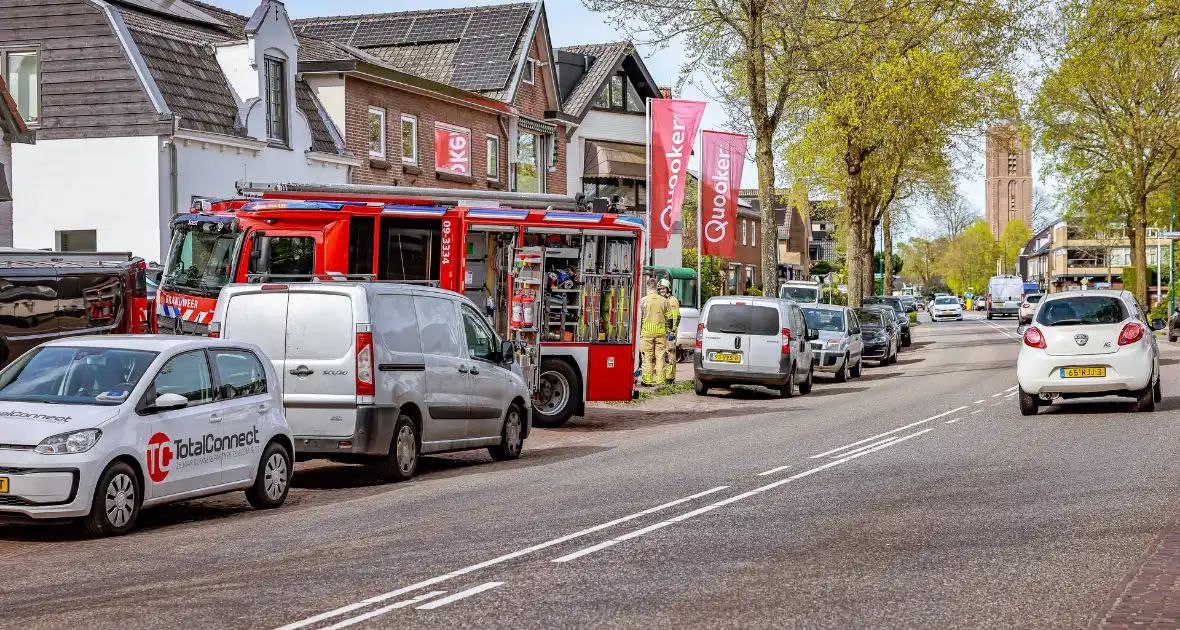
{"x": 497, "y": 213}
{"x": 293, "y": 205}
{"x": 624, "y": 219}
{"x": 422, "y": 211}
{"x": 573, "y": 217}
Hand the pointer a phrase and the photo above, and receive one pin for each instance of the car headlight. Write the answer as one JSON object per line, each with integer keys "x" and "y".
{"x": 69, "y": 443}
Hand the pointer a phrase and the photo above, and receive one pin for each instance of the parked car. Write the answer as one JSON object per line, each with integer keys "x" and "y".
{"x": 1004, "y": 296}
{"x": 946, "y": 307}
{"x": 1028, "y": 307}
{"x": 753, "y": 341}
{"x": 912, "y": 304}
{"x": 882, "y": 337}
{"x": 840, "y": 348}
{"x": 99, "y": 427}
{"x": 899, "y": 313}
{"x": 801, "y": 291}
{"x": 381, "y": 373}
{"x": 1174, "y": 325}
{"x": 1096, "y": 343}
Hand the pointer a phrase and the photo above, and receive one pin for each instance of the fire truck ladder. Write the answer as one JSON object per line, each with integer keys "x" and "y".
{"x": 484, "y": 198}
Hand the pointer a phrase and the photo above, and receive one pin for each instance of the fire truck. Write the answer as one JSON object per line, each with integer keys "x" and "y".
{"x": 560, "y": 282}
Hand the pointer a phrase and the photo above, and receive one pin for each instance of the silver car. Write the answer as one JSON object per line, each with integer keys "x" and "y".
{"x": 840, "y": 348}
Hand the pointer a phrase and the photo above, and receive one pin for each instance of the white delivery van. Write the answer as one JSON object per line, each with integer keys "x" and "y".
{"x": 1004, "y": 296}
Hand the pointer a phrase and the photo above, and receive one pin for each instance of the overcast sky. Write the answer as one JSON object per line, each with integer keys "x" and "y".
{"x": 572, "y": 24}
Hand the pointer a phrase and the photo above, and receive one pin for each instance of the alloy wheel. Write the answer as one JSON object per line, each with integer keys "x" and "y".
{"x": 275, "y": 476}
{"x": 120, "y": 500}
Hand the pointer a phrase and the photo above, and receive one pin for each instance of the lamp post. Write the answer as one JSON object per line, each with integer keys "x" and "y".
{"x": 1172, "y": 255}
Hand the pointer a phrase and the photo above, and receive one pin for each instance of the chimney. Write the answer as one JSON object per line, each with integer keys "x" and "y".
{"x": 666, "y": 92}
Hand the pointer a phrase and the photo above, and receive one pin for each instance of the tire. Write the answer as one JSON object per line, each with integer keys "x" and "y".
{"x": 1157, "y": 392}
{"x": 1145, "y": 401}
{"x": 788, "y": 388}
{"x": 511, "y": 442}
{"x": 273, "y": 480}
{"x": 989, "y": 315}
{"x": 842, "y": 375}
{"x": 1171, "y": 337}
{"x": 907, "y": 340}
{"x": 402, "y": 461}
{"x": 700, "y": 387}
{"x": 122, "y": 487}
{"x": 1028, "y": 404}
{"x": 805, "y": 386}
{"x": 563, "y": 394}
{"x": 858, "y": 369}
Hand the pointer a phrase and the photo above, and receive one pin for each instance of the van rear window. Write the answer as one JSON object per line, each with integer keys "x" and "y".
{"x": 745, "y": 319}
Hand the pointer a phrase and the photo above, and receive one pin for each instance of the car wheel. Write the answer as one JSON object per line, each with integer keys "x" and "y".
{"x": 1172, "y": 337}
{"x": 842, "y": 373}
{"x": 1028, "y": 404}
{"x": 559, "y": 390}
{"x": 1145, "y": 401}
{"x": 511, "y": 442}
{"x": 989, "y": 315}
{"x": 273, "y": 479}
{"x": 1157, "y": 392}
{"x": 906, "y": 341}
{"x": 858, "y": 369}
{"x": 788, "y": 388}
{"x": 805, "y": 386}
{"x": 116, "y": 502}
{"x": 402, "y": 461}
{"x": 700, "y": 387}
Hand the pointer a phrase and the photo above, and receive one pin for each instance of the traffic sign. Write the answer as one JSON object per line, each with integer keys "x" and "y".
{"x": 1171, "y": 235}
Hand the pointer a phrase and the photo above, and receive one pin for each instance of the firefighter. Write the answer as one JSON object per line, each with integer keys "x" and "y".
{"x": 673, "y": 326}
{"x": 653, "y": 315}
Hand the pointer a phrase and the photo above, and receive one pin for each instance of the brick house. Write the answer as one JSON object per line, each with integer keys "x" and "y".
{"x": 456, "y": 98}
{"x": 794, "y": 235}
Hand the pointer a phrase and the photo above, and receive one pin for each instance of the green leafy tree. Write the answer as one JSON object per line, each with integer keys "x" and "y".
{"x": 1016, "y": 235}
{"x": 970, "y": 258}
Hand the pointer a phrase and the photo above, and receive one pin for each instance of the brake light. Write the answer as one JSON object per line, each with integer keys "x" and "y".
{"x": 700, "y": 335}
{"x": 1033, "y": 338}
{"x": 1025, "y": 305}
{"x": 274, "y": 287}
{"x": 786, "y": 341}
{"x": 1131, "y": 333}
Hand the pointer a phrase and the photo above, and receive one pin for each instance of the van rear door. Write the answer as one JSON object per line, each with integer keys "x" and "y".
{"x": 725, "y": 342}
{"x": 319, "y": 379}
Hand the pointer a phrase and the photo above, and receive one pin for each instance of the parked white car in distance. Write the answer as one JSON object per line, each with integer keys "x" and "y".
{"x": 1086, "y": 344}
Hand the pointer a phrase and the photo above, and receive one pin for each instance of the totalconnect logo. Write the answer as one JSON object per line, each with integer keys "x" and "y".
{"x": 163, "y": 453}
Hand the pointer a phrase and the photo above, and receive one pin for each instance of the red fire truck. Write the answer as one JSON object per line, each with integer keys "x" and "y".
{"x": 563, "y": 284}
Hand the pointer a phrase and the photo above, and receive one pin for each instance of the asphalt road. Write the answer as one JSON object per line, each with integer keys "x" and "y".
{"x": 913, "y": 497}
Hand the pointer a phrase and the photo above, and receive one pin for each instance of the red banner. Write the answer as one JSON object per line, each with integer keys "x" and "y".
{"x": 722, "y": 157}
{"x": 673, "y": 128}
{"x": 452, "y": 149}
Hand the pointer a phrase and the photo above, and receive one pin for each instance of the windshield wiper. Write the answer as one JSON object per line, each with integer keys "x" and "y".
{"x": 1067, "y": 322}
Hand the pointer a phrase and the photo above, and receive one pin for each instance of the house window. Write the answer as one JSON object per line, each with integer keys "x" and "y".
{"x": 751, "y": 276}
{"x": 619, "y": 94}
{"x": 20, "y": 69}
{"x": 743, "y": 232}
{"x": 1011, "y": 164}
{"x": 530, "y": 70}
{"x": 493, "y": 158}
{"x": 530, "y": 151}
{"x": 632, "y": 192}
{"x": 753, "y": 234}
{"x": 733, "y": 277}
{"x": 409, "y": 139}
{"x": 276, "y": 100}
{"x": 452, "y": 149}
{"x": 77, "y": 240}
{"x": 376, "y": 132}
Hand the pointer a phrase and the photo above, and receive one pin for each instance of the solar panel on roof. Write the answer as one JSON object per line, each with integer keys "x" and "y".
{"x": 337, "y": 32}
{"x": 489, "y": 23}
{"x": 176, "y": 9}
{"x": 438, "y": 28}
{"x": 381, "y": 32}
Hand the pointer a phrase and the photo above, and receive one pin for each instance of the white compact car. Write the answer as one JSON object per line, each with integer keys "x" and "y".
{"x": 946, "y": 307}
{"x": 99, "y": 427}
{"x": 1086, "y": 344}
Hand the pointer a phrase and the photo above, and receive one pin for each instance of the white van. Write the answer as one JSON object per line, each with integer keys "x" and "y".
{"x": 801, "y": 291}
{"x": 381, "y": 373}
{"x": 1004, "y": 295}
{"x": 753, "y": 341}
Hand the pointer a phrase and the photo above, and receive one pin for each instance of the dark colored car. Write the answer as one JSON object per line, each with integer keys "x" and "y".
{"x": 881, "y": 335}
{"x": 899, "y": 311}
{"x": 1174, "y": 326}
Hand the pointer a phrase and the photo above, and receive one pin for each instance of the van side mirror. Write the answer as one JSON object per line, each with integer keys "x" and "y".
{"x": 811, "y": 335}
{"x": 507, "y": 352}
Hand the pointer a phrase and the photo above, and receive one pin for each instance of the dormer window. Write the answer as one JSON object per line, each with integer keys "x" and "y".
{"x": 620, "y": 95}
{"x": 276, "y": 100}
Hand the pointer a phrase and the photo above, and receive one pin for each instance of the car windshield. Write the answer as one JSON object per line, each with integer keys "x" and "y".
{"x": 73, "y": 375}
{"x": 872, "y": 320}
{"x": 742, "y": 319}
{"x": 946, "y": 300}
{"x": 1073, "y": 311}
{"x": 201, "y": 262}
{"x": 799, "y": 294}
{"x": 824, "y": 319}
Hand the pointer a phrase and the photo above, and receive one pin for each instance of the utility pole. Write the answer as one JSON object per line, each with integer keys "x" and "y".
{"x": 1172, "y": 255}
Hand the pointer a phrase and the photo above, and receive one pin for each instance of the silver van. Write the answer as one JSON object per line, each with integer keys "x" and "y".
{"x": 753, "y": 341}
{"x": 380, "y": 373}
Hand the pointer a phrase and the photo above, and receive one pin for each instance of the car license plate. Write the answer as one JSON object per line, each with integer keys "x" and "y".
{"x": 948, "y": 313}
{"x": 725, "y": 357}
{"x": 3, "y": 485}
{"x": 1083, "y": 372}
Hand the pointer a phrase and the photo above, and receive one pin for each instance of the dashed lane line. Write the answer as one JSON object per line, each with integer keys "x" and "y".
{"x": 381, "y": 611}
{"x": 890, "y": 432}
{"x": 475, "y": 590}
{"x": 772, "y": 471}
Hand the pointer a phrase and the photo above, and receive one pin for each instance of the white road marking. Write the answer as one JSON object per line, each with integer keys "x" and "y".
{"x": 1010, "y": 395}
{"x": 504, "y": 558}
{"x": 952, "y": 420}
{"x": 866, "y": 447}
{"x": 734, "y": 499}
{"x": 881, "y": 435}
{"x": 997, "y": 394}
{"x": 772, "y": 471}
{"x": 475, "y": 590}
{"x": 997, "y": 403}
{"x": 977, "y": 402}
{"x": 381, "y": 611}
{"x": 976, "y": 411}
{"x": 1011, "y": 388}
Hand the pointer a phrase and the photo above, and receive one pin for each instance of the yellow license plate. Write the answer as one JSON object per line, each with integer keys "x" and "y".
{"x": 725, "y": 357}
{"x": 1083, "y": 372}
{"x": 3, "y": 485}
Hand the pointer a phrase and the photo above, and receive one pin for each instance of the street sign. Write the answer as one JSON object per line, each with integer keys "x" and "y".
{"x": 1171, "y": 235}
{"x": 842, "y": 288}
{"x": 1101, "y": 285}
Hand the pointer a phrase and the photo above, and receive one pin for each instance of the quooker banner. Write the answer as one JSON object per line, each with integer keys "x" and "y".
{"x": 722, "y": 157}
{"x": 452, "y": 149}
{"x": 673, "y": 128}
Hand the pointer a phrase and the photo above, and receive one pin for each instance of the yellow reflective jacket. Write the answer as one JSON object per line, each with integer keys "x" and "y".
{"x": 653, "y": 309}
{"x": 673, "y": 312}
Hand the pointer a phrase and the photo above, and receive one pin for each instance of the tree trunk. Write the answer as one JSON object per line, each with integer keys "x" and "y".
{"x": 855, "y": 256}
{"x": 869, "y": 233}
{"x": 764, "y": 157}
{"x": 887, "y": 251}
{"x": 1139, "y": 244}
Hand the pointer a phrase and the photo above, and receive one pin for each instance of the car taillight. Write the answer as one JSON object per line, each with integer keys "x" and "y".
{"x": 1131, "y": 333}
{"x": 1025, "y": 305}
{"x": 700, "y": 335}
{"x": 364, "y": 364}
{"x": 1033, "y": 338}
{"x": 786, "y": 341}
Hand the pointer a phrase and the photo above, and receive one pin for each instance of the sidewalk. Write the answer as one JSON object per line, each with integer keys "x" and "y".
{"x": 1149, "y": 597}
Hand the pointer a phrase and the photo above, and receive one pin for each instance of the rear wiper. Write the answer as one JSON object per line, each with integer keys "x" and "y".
{"x": 732, "y": 332}
{"x": 1067, "y": 322}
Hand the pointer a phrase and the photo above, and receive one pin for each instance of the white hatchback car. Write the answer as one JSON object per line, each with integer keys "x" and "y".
{"x": 1087, "y": 344}
{"x": 946, "y": 307}
{"x": 98, "y": 427}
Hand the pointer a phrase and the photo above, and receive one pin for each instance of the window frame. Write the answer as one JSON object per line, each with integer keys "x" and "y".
{"x": 530, "y": 71}
{"x": 276, "y": 116}
{"x": 479, "y": 322}
{"x": 493, "y": 171}
{"x": 35, "y": 50}
{"x": 411, "y": 159}
{"x": 744, "y": 244}
{"x": 216, "y": 373}
{"x": 380, "y": 113}
{"x": 149, "y": 396}
{"x": 455, "y": 129}
{"x": 753, "y": 234}
{"x": 624, "y": 98}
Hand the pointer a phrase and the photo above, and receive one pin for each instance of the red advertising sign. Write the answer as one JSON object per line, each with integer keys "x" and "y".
{"x": 673, "y": 127}
{"x": 452, "y": 149}
{"x": 722, "y": 157}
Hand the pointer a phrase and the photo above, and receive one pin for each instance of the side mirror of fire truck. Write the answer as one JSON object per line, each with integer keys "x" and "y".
{"x": 507, "y": 352}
